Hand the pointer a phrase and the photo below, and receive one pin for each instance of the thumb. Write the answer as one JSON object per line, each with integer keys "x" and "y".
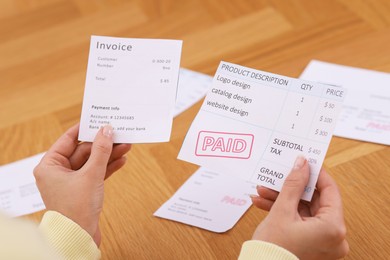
{"x": 294, "y": 185}
{"x": 101, "y": 150}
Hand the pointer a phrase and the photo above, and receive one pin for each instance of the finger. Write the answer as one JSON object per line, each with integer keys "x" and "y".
{"x": 262, "y": 203}
{"x": 83, "y": 151}
{"x": 118, "y": 151}
{"x": 80, "y": 155}
{"x": 315, "y": 203}
{"x": 67, "y": 143}
{"x": 294, "y": 186}
{"x": 337, "y": 251}
{"x": 114, "y": 166}
{"x": 304, "y": 209}
{"x": 342, "y": 250}
{"x": 267, "y": 193}
{"x": 329, "y": 192}
{"x": 101, "y": 151}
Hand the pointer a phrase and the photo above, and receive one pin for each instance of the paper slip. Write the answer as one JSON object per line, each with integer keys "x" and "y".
{"x": 192, "y": 87}
{"x": 366, "y": 110}
{"x": 210, "y": 201}
{"x": 19, "y": 194}
{"x": 253, "y": 125}
{"x": 131, "y": 84}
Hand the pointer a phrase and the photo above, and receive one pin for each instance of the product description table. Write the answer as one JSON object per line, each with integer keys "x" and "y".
{"x": 253, "y": 124}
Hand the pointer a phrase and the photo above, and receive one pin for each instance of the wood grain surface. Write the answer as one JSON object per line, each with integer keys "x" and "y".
{"x": 43, "y": 58}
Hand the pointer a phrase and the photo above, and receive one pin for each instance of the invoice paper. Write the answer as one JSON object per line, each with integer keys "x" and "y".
{"x": 131, "y": 84}
{"x": 253, "y": 125}
{"x": 19, "y": 194}
{"x": 209, "y": 200}
{"x": 365, "y": 114}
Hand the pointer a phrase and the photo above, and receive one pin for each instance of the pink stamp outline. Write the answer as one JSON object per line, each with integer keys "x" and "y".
{"x": 225, "y": 133}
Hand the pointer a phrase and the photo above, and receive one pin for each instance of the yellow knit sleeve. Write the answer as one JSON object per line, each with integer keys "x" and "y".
{"x": 256, "y": 249}
{"x": 67, "y": 238}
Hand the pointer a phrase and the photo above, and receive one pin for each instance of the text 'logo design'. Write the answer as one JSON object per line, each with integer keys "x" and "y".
{"x": 220, "y": 144}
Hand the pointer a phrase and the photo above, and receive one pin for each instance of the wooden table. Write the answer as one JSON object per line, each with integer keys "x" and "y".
{"x": 43, "y": 57}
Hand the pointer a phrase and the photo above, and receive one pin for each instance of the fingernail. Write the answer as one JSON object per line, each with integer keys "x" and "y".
{"x": 252, "y": 196}
{"x": 107, "y": 130}
{"x": 299, "y": 162}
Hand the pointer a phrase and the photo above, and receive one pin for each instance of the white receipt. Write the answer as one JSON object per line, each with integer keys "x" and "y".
{"x": 19, "y": 194}
{"x": 253, "y": 125}
{"x": 131, "y": 84}
{"x": 192, "y": 87}
{"x": 209, "y": 200}
{"x": 366, "y": 109}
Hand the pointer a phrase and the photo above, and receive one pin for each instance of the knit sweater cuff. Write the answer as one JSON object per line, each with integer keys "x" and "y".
{"x": 256, "y": 249}
{"x": 68, "y": 238}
